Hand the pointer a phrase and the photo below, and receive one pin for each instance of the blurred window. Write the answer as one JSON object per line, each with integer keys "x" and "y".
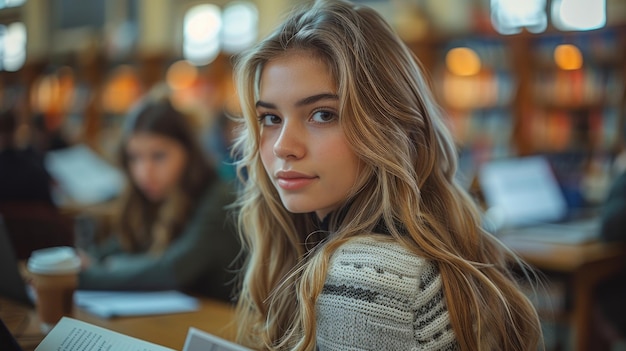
{"x": 208, "y": 30}
{"x": 11, "y": 3}
{"x": 511, "y": 16}
{"x": 240, "y": 26}
{"x": 202, "y": 26}
{"x": 12, "y": 46}
{"x": 579, "y": 14}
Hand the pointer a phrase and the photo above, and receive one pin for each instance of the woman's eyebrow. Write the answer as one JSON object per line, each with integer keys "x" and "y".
{"x": 315, "y": 98}
{"x": 264, "y": 104}
{"x": 303, "y": 102}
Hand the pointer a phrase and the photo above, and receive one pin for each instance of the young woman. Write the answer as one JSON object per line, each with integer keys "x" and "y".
{"x": 174, "y": 231}
{"x": 358, "y": 237}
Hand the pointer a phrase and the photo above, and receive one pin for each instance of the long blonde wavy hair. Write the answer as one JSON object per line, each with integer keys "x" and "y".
{"x": 407, "y": 184}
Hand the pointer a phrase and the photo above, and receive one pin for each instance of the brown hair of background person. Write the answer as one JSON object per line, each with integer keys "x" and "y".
{"x": 167, "y": 217}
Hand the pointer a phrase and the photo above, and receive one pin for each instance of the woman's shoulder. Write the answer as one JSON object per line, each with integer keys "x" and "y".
{"x": 383, "y": 263}
{"x": 385, "y": 296}
{"x": 381, "y": 251}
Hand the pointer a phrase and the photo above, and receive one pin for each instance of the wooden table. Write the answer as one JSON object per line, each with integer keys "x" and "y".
{"x": 586, "y": 265}
{"x": 167, "y": 330}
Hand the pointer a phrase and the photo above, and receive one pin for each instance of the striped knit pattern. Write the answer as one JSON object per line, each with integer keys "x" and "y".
{"x": 380, "y": 296}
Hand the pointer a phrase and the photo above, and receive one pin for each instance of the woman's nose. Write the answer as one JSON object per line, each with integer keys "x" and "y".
{"x": 291, "y": 142}
{"x": 142, "y": 171}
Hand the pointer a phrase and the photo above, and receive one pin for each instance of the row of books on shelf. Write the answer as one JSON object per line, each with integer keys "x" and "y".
{"x": 482, "y": 128}
{"x": 579, "y": 88}
{"x": 572, "y": 130}
{"x": 491, "y": 130}
{"x": 599, "y": 47}
{"x": 596, "y": 47}
{"x": 485, "y": 90}
{"x": 481, "y": 136}
{"x": 589, "y": 87}
{"x": 493, "y": 52}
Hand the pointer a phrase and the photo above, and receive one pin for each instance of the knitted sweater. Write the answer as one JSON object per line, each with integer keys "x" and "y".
{"x": 380, "y": 296}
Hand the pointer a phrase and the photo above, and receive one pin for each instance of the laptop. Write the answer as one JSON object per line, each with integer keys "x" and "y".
{"x": 524, "y": 199}
{"x": 7, "y": 340}
{"x": 13, "y": 286}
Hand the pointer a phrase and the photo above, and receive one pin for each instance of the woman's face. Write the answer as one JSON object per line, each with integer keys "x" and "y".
{"x": 303, "y": 147}
{"x": 156, "y": 164}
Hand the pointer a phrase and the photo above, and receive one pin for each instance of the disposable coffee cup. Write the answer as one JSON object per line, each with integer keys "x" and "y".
{"x": 54, "y": 273}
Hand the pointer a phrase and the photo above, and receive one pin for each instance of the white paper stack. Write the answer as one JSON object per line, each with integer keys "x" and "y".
{"x": 107, "y": 304}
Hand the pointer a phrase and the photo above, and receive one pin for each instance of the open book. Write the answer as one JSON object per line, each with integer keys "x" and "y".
{"x": 73, "y": 335}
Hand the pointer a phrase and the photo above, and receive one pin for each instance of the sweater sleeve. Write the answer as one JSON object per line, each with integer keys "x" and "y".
{"x": 380, "y": 296}
{"x": 207, "y": 243}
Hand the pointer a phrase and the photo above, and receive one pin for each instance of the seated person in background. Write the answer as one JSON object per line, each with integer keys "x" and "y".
{"x": 173, "y": 230}
{"x": 614, "y": 211}
{"x": 32, "y": 219}
{"x": 611, "y": 304}
{"x": 23, "y": 177}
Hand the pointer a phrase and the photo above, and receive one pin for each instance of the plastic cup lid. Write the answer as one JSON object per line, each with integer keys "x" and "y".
{"x": 54, "y": 260}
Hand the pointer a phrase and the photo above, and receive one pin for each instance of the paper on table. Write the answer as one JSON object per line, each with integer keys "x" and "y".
{"x": 73, "y": 335}
{"x": 197, "y": 340}
{"x": 567, "y": 233}
{"x": 83, "y": 175}
{"x": 108, "y": 304}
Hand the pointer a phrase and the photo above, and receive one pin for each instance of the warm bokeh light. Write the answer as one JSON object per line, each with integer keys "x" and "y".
{"x": 181, "y": 75}
{"x": 45, "y": 90}
{"x": 469, "y": 92}
{"x": 463, "y": 61}
{"x": 121, "y": 91}
{"x": 568, "y": 57}
{"x": 53, "y": 96}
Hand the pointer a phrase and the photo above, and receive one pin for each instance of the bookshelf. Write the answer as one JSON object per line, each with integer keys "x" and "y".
{"x": 579, "y": 109}
{"x": 520, "y": 102}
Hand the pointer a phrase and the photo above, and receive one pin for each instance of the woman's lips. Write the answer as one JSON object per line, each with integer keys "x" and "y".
{"x": 291, "y": 180}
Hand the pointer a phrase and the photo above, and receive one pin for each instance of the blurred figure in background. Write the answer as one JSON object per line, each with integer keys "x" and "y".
{"x": 173, "y": 230}
{"x": 26, "y": 205}
{"x": 610, "y": 303}
{"x": 23, "y": 176}
{"x": 45, "y": 139}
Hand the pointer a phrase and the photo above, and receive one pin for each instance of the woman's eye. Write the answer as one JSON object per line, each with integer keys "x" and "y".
{"x": 269, "y": 120}
{"x": 323, "y": 117}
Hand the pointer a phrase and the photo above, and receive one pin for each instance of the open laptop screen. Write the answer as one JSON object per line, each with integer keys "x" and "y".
{"x": 523, "y": 190}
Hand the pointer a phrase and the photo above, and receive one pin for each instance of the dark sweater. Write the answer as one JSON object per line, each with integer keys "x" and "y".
{"x": 199, "y": 260}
